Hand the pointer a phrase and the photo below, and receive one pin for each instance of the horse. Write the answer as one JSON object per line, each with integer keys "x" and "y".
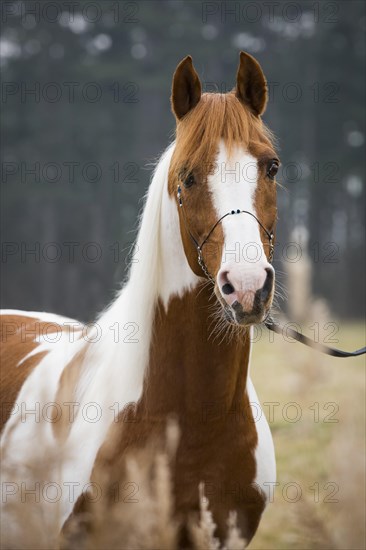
{"x": 175, "y": 341}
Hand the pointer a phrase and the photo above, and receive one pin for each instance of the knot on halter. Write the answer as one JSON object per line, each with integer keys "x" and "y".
{"x": 198, "y": 246}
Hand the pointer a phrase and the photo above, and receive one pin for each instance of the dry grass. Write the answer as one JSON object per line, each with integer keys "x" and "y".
{"x": 310, "y": 452}
{"x": 203, "y": 533}
{"x": 148, "y": 521}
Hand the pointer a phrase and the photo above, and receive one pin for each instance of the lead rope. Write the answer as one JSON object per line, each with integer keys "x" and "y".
{"x": 269, "y": 322}
{"x": 334, "y": 352}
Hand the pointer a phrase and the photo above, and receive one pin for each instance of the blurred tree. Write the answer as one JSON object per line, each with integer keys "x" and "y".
{"x": 85, "y": 110}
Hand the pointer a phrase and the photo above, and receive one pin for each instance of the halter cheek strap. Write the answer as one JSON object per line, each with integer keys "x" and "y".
{"x": 199, "y": 246}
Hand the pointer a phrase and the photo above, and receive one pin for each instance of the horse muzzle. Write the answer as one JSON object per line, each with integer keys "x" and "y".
{"x": 246, "y": 292}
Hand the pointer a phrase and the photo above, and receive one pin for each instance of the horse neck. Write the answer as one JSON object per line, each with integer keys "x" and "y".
{"x": 189, "y": 369}
{"x": 189, "y": 365}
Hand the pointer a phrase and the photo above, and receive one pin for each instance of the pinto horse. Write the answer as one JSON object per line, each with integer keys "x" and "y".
{"x": 177, "y": 338}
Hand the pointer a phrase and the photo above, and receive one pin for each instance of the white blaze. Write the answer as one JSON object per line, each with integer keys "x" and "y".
{"x": 233, "y": 186}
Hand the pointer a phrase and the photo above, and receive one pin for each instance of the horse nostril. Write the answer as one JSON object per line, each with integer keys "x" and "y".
{"x": 268, "y": 284}
{"x": 227, "y": 288}
{"x": 269, "y": 278}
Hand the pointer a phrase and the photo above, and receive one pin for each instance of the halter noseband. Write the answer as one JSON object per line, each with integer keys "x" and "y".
{"x": 198, "y": 246}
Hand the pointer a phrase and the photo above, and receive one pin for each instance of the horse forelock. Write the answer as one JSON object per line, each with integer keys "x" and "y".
{"x": 217, "y": 117}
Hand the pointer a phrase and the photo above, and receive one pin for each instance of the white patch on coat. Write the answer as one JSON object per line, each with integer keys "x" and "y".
{"x": 47, "y": 340}
{"x": 42, "y": 316}
{"x": 264, "y": 453}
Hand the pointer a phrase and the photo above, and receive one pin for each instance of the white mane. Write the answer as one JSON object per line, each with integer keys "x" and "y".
{"x": 115, "y": 366}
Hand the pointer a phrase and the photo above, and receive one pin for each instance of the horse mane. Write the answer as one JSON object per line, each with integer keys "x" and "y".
{"x": 134, "y": 305}
{"x": 216, "y": 116}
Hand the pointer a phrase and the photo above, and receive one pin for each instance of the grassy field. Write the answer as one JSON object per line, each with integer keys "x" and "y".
{"x": 320, "y": 499}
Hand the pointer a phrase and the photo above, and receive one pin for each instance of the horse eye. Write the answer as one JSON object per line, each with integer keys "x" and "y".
{"x": 272, "y": 169}
{"x": 189, "y": 180}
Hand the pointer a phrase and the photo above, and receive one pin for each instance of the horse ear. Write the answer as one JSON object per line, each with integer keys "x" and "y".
{"x": 186, "y": 89}
{"x": 251, "y": 85}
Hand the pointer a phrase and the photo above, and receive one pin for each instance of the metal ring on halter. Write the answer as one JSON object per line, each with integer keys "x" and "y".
{"x": 198, "y": 246}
